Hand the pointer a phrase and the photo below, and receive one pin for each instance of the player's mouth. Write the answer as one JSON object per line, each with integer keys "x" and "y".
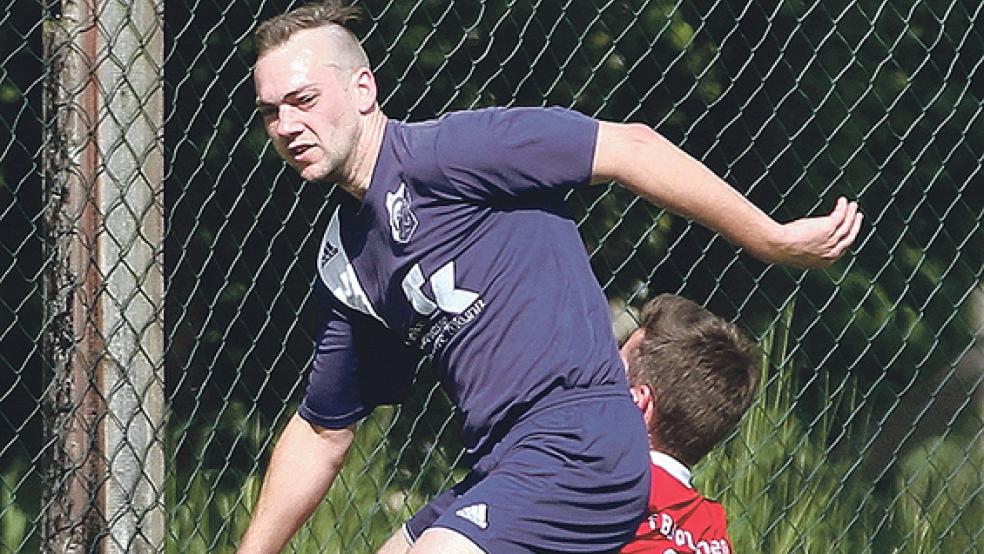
{"x": 298, "y": 151}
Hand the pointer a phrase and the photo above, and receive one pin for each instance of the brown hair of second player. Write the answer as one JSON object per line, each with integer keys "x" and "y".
{"x": 702, "y": 371}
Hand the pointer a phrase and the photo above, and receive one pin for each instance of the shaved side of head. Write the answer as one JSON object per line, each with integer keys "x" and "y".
{"x": 342, "y": 47}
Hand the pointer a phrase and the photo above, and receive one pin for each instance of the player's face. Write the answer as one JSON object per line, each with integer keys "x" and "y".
{"x": 308, "y": 106}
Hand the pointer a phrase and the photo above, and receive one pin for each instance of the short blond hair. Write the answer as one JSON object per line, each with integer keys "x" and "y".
{"x": 331, "y": 14}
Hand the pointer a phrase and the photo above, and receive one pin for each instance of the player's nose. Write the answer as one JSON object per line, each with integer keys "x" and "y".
{"x": 288, "y": 122}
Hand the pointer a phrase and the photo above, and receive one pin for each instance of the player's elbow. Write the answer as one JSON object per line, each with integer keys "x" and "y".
{"x": 640, "y": 133}
{"x": 327, "y": 444}
{"x": 620, "y": 148}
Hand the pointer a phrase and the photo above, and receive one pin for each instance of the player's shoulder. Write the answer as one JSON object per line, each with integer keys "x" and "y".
{"x": 714, "y": 515}
{"x": 514, "y": 114}
{"x": 409, "y": 153}
{"x": 450, "y": 120}
{"x": 715, "y": 509}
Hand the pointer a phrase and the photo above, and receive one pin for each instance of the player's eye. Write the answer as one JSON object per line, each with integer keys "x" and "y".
{"x": 306, "y": 100}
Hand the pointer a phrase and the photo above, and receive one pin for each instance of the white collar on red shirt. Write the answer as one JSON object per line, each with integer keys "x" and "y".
{"x": 672, "y": 466}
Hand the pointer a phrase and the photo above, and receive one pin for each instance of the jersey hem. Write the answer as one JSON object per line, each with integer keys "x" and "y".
{"x": 336, "y": 422}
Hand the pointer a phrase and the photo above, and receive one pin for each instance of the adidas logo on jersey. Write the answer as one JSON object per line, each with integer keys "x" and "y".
{"x": 476, "y": 513}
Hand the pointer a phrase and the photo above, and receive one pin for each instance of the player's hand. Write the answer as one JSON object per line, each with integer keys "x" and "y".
{"x": 817, "y": 242}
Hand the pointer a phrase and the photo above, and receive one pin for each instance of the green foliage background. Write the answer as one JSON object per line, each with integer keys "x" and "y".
{"x": 793, "y": 102}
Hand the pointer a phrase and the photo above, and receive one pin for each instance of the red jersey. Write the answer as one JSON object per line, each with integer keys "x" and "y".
{"x": 680, "y": 520}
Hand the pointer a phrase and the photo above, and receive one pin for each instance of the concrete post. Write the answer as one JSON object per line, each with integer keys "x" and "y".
{"x": 104, "y": 288}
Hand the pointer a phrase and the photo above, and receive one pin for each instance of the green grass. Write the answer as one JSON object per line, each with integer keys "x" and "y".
{"x": 17, "y": 506}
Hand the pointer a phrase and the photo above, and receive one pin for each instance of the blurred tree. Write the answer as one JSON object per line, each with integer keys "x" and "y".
{"x": 20, "y": 238}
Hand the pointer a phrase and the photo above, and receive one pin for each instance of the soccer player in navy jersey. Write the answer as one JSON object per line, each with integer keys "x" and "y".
{"x": 692, "y": 374}
{"x": 457, "y": 245}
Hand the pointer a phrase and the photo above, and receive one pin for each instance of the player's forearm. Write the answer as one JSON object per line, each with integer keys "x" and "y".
{"x": 303, "y": 466}
{"x": 652, "y": 167}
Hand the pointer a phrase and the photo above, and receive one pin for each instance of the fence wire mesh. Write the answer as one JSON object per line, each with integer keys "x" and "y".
{"x": 868, "y": 434}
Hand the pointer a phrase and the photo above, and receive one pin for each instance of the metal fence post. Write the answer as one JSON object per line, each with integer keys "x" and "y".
{"x": 103, "y": 320}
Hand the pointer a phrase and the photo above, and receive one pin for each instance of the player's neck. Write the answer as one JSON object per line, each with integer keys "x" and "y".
{"x": 358, "y": 176}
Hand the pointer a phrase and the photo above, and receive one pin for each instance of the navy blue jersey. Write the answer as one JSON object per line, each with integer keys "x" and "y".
{"x": 463, "y": 250}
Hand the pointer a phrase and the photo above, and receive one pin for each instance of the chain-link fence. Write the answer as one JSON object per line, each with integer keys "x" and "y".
{"x": 156, "y": 259}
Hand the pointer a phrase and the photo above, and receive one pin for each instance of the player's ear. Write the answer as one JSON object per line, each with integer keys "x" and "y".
{"x": 642, "y": 396}
{"x": 364, "y": 84}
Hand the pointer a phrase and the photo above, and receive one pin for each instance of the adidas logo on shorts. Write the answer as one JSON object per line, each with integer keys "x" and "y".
{"x": 476, "y": 513}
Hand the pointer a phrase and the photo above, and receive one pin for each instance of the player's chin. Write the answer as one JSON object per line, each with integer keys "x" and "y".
{"x": 311, "y": 171}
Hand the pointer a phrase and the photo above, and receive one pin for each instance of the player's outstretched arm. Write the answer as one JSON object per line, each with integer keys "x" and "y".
{"x": 652, "y": 167}
{"x": 303, "y": 466}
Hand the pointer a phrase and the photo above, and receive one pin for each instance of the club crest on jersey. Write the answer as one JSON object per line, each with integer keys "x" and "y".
{"x": 402, "y": 221}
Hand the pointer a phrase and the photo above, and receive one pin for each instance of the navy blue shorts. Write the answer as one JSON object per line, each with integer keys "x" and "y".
{"x": 573, "y": 477}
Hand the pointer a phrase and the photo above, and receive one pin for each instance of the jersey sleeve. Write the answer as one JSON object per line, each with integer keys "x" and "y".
{"x": 358, "y": 365}
{"x": 506, "y": 153}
